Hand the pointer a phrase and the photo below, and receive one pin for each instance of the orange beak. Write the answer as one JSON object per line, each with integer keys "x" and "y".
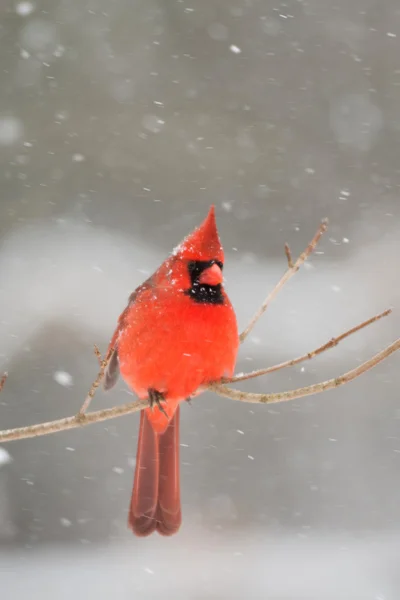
{"x": 212, "y": 275}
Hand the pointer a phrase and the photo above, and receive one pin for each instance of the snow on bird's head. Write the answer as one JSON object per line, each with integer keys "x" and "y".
{"x": 203, "y": 243}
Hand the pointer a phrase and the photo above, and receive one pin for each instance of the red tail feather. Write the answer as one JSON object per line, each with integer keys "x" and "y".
{"x": 155, "y": 502}
{"x": 169, "y": 516}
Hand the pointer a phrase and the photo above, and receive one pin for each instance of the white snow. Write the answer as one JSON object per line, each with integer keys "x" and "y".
{"x": 118, "y": 470}
{"x": 78, "y": 157}
{"x": 23, "y": 9}
{"x": 5, "y": 457}
{"x": 63, "y": 378}
{"x": 65, "y": 522}
{"x": 322, "y": 567}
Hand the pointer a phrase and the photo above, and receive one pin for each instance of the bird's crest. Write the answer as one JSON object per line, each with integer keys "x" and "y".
{"x": 203, "y": 243}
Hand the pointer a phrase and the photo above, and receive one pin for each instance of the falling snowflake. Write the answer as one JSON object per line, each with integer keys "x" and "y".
{"x": 65, "y": 522}
{"x": 78, "y": 157}
{"x": 63, "y": 378}
{"x": 235, "y": 49}
{"x": 5, "y": 457}
{"x": 23, "y": 9}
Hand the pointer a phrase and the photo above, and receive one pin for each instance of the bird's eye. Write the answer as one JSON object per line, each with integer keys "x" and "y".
{"x": 197, "y": 267}
{"x": 201, "y": 265}
{"x": 191, "y": 266}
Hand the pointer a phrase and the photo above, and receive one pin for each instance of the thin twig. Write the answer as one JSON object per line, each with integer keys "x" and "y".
{"x": 289, "y": 273}
{"x": 97, "y": 381}
{"x": 3, "y": 379}
{"x": 98, "y": 355}
{"x": 295, "y": 361}
{"x": 119, "y": 411}
{"x": 288, "y": 256}
{"x": 309, "y": 390}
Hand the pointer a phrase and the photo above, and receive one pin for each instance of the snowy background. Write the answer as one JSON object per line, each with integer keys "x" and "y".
{"x": 120, "y": 122}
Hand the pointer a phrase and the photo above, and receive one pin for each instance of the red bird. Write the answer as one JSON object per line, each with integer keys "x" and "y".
{"x": 177, "y": 334}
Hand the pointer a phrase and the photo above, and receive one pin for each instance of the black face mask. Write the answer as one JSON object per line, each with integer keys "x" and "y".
{"x": 204, "y": 293}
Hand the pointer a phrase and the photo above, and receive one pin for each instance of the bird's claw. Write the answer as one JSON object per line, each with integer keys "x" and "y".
{"x": 155, "y": 398}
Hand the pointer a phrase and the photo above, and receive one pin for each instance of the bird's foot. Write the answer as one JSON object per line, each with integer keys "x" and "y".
{"x": 189, "y": 401}
{"x": 155, "y": 398}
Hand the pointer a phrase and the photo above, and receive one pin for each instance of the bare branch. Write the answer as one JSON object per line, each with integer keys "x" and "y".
{"x": 289, "y": 273}
{"x": 97, "y": 381}
{"x": 119, "y": 411}
{"x": 78, "y": 420}
{"x": 288, "y": 256}
{"x": 309, "y": 390}
{"x": 98, "y": 355}
{"x": 295, "y": 361}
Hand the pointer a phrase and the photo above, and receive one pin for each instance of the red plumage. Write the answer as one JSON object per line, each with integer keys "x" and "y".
{"x": 177, "y": 334}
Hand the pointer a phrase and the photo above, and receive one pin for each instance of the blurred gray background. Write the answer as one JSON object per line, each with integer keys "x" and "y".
{"x": 120, "y": 123}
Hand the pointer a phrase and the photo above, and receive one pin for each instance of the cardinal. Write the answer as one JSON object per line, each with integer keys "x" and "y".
{"x": 177, "y": 334}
